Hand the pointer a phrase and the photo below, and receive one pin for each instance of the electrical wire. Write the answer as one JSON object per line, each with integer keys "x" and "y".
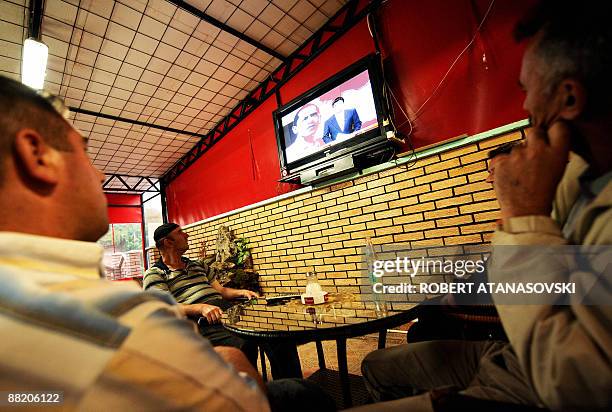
{"x": 486, "y": 15}
{"x": 254, "y": 167}
{"x": 388, "y": 91}
{"x": 387, "y": 95}
{"x": 403, "y": 112}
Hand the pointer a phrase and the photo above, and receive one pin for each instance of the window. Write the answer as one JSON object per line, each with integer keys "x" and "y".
{"x": 152, "y": 217}
{"x": 123, "y": 251}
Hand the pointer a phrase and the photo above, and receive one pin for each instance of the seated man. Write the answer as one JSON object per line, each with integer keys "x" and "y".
{"x": 102, "y": 345}
{"x": 195, "y": 286}
{"x": 64, "y": 328}
{"x": 559, "y": 357}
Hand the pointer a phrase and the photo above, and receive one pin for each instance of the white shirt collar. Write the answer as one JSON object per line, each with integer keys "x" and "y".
{"x": 340, "y": 118}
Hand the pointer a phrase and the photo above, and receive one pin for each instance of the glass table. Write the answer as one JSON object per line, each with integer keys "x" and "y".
{"x": 342, "y": 316}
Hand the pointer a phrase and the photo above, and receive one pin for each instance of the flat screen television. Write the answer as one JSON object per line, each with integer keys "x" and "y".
{"x": 339, "y": 117}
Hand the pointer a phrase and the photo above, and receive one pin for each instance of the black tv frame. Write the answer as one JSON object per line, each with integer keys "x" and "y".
{"x": 321, "y": 165}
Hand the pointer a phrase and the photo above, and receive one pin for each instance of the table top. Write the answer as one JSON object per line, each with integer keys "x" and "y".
{"x": 343, "y": 315}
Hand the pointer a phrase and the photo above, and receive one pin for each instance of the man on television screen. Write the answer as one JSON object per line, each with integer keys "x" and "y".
{"x": 342, "y": 123}
{"x": 305, "y": 128}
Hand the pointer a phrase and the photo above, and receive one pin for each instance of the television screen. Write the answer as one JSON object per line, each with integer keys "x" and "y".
{"x": 338, "y": 115}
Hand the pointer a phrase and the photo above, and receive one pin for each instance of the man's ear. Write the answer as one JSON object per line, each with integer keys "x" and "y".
{"x": 294, "y": 129}
{"x": 36, "y": 159}
{"x": 573, "y": 99}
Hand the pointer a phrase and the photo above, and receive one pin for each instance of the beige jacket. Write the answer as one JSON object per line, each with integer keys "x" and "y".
{"x": 565, "y": 351}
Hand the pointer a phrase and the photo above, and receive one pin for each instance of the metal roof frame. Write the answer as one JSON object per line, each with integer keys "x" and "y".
{"x": 347, "y": 17}
{"x": 154, "y": 187}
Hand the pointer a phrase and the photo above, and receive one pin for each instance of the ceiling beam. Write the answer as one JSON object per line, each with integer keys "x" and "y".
{"x": 203, "y": 16}
{"x": 136, "y": 122}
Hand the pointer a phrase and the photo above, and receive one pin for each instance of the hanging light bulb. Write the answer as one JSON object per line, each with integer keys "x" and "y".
{"x": 34, "y": 63}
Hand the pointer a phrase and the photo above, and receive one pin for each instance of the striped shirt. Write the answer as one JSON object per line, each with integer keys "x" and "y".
{"x": 189, "y": 285}
{"x": 105, "y": 345}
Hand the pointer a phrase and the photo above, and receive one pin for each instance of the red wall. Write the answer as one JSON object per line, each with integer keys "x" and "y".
{"x": 422, "y": 38}
{"x": 420, "y": 41}
{"x": 126, "y": 214}
{"x": 240, "y": 170}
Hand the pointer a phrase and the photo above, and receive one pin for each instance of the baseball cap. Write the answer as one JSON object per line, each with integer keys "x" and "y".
{"x": 163, "y": 231}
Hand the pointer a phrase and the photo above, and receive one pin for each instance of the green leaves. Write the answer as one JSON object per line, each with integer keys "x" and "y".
{"x": 242, "y": 251}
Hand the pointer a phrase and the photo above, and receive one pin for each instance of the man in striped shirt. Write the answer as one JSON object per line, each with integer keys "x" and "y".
{"x": 196, "y": 288}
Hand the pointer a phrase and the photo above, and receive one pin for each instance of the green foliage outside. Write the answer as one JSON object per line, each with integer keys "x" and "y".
{"x": 127, "y": 237}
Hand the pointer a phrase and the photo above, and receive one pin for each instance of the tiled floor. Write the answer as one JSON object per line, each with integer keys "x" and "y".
{"x": 357, "y": 349}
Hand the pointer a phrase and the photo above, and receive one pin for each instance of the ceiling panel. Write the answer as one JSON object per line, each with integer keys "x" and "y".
{"x": 150, "y": 61}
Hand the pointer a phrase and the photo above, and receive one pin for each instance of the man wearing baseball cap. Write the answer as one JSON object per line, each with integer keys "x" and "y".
{"x": 196, "y": 288}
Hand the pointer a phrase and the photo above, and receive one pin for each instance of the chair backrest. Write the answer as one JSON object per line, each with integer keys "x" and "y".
{"x": 457, "y": 322}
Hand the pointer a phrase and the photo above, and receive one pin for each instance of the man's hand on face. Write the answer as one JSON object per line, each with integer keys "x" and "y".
{"x": 211, "y": 313}
{"x": 526, "y": 179}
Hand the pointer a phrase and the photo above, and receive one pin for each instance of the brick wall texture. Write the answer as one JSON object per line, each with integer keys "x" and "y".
{"x": 441, "y": 200}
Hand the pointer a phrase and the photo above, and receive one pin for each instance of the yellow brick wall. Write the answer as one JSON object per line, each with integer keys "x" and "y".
{"x": 441, "y": 200}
